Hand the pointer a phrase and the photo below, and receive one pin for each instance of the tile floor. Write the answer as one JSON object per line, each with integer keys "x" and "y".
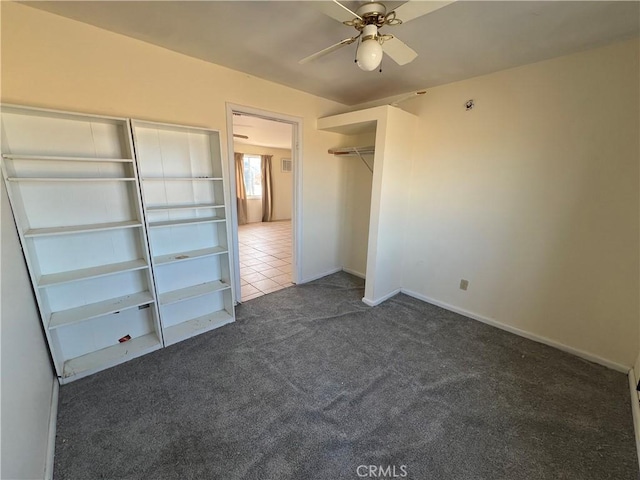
{"x": 265, "y": 258}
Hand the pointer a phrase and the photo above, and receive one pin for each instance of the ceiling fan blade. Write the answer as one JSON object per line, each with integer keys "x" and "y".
{"x": 335, "y": 10}
{"x": 332, "y": 48}
{"x": 400, "y": 52}
{"x": 410, "y": 10}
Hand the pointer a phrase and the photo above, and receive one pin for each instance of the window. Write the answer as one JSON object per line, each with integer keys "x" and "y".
{"x": 253, "y": 175}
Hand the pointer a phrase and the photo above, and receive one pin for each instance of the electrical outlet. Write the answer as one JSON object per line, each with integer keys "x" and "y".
{"x": 464, "y": 284}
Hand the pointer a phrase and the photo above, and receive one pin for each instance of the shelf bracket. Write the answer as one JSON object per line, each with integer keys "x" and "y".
{"x": 355, "y": 149}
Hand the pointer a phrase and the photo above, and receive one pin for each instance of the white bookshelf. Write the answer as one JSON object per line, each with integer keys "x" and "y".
{"x": 75, "y": 196}
{"x": 185, "y": 202}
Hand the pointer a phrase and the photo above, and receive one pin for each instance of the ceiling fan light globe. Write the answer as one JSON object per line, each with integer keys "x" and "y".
{"x": 369, "y": 55}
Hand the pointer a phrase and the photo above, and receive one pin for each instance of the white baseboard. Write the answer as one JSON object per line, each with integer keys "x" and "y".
{"x": 354, "y": 272}
{"x": 320, "y": 275}
{"x": 53, "y": 418}
{"x": 373, "y": 303}
{"x": 523, "y": 333}
{"x": 635, "y": 408}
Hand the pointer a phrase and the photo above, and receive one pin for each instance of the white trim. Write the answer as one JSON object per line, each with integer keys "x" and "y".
{"x": 354, "y": 272}
{"x": 296, "y": 214}
{"x": 635, "y": 409}
{"x": 51, "y": 442}
{"x": 373, "y": 303}
{"x": 320, "y": 275}
{"x": 522, "y": 333}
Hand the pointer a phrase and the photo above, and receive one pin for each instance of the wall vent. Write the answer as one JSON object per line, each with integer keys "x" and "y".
{"x": 286, "y": 164}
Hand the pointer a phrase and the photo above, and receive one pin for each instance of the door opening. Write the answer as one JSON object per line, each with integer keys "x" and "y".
{"x": 265, "y": 179}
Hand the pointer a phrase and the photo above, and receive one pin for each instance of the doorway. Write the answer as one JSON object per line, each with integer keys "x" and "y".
{"x": 265, "y": 173}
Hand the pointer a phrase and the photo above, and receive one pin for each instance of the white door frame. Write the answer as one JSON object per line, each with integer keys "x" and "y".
{"x": 296, "y": 212}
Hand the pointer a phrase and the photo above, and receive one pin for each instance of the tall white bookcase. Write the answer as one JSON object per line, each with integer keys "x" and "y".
{"x": 184, "y": 196}
{"x": 74, "y": 192}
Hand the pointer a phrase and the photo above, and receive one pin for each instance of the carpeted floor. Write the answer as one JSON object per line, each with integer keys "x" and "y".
{"x": 310, "y": 383}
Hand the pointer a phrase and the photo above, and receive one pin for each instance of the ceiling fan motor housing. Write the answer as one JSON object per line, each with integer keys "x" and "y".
{"x": 373, "y": 13}
{"x": 372, "y": 10}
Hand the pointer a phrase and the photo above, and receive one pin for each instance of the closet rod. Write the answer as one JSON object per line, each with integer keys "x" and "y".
{"x": 354, "y": 151}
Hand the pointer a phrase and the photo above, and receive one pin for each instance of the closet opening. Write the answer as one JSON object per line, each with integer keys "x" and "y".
{"x": 264, "y": 168}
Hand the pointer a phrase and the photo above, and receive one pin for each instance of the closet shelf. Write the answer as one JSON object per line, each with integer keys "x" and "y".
{"x": 110, "y": 356}
{"x": 187, "y": 221}
{"x": 98, "y": 309}
{"x": 180, "y": 179}
{"x": 189, "y": 255}
{"x": 199, "y": 290}
{"x": 66, "y": 159}
{"x": 189, "y": 328}
{"x": 91, "y": 272}
{"x": 196, "y": 206}
{"x": 94, "y": 227}
{"x": 352, "y": 151}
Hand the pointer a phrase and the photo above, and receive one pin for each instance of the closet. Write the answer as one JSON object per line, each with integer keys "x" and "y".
{"x": 357, "y": 172}
{"x": 104, "y": 297}
{"x": 393, "y": 132}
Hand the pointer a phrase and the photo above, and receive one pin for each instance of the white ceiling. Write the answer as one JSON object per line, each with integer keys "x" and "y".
{"x": 268, "y": 38}
{"x": 262, "y": 132}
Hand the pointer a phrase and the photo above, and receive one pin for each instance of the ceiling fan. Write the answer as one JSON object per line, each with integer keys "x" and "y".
{"x": 368, "y": 19}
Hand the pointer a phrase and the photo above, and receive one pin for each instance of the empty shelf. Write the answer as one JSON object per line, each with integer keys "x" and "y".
{"x": 192, "y": 292}
{"x": 110, "y": 356}
{"x": 70, "y": 179}
{"x": 65, "y": 159}
{"x": 91, "y": 272}
{"x": 197, "y": 206}
{"x": 95, "y": 227}
{"x": 179, "y": 179}
{"x": 185, "y": 221}
{"x": 196, "y": 326}
{"x": 190, "y": 255}
{"x": 93, "y": 310}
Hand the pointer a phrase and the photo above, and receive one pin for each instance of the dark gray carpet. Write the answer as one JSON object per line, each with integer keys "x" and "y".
{"x": 310, "y": 383}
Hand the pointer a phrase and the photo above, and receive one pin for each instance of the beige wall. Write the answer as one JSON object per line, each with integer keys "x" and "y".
{"x": 282, "y": 181}
{"x": 395, "y": 139}
{"x": 533, "y": 197}
{"x": 54, "y": 62}
{"x": 27, "y": 374}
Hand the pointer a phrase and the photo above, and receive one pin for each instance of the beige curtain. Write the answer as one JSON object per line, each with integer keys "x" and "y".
{"x": 267, "y": 203}
{"x": 241, "y": 192}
